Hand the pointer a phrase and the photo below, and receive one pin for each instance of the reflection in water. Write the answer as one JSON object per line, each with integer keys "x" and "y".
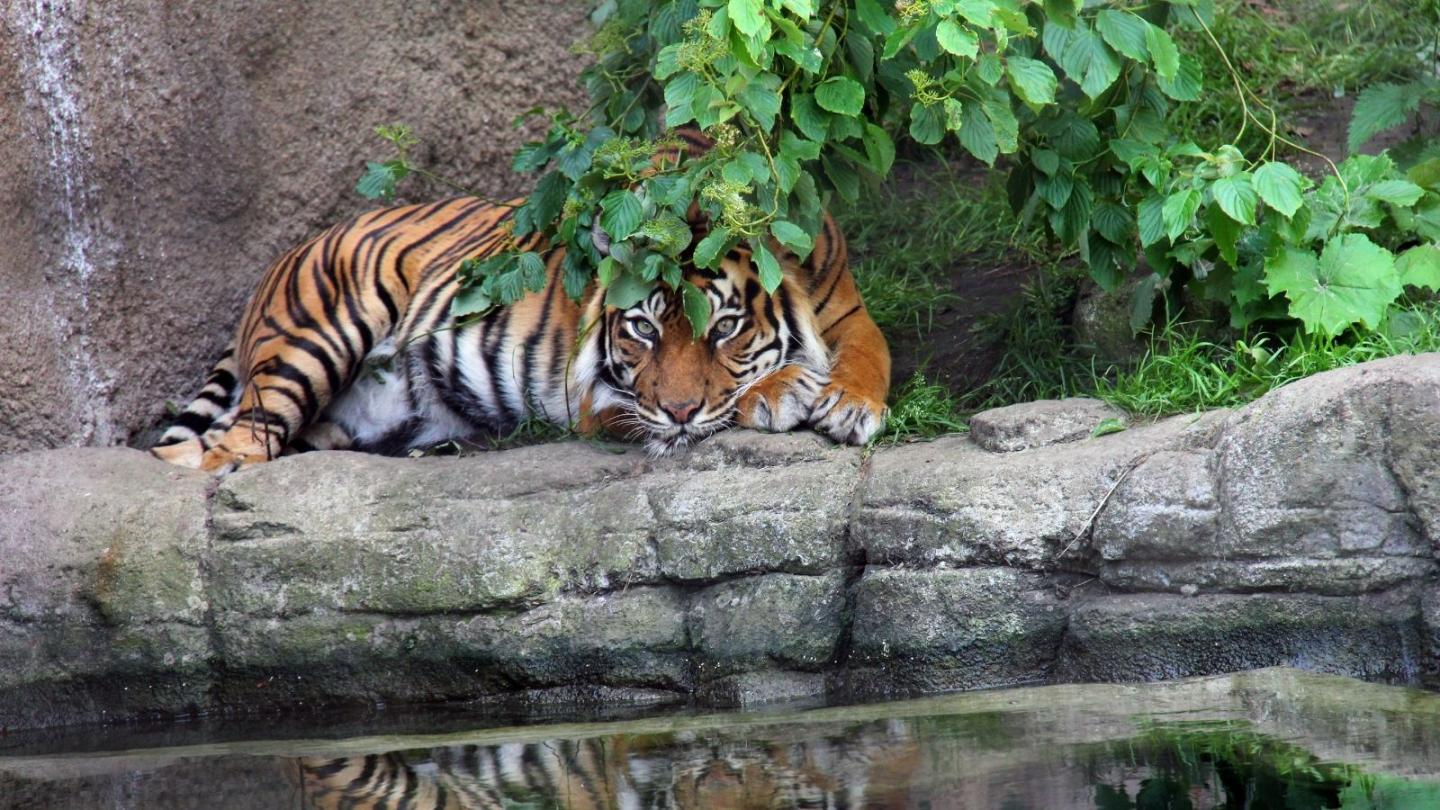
{"x": 1270, "y": 739}
{"x": 868, "y": 767}
{"x": 909, "y": 763}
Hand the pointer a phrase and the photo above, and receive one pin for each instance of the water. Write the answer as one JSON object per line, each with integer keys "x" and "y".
{"x": 1270, "y": 739}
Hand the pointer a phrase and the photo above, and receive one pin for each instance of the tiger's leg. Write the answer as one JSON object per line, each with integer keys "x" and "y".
{"x": 780, "y": 401}
{"x": 288, "y": 387}
{"x": 850, "y": 408}
{"x": 324, "y": 435}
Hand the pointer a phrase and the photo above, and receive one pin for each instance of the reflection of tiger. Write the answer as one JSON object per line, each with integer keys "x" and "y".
{"x": 870, "y": 767}
{"x": 373, "y": 295}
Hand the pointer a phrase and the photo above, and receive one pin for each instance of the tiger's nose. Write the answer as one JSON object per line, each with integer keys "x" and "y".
{"x": 681, "y": 412}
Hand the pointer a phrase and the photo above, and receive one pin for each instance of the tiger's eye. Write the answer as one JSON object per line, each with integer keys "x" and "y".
{"x": 725, "y": 326}
{"x": 645, "y": 328}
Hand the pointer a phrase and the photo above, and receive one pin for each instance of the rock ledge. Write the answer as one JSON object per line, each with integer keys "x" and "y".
{"x": 1302, "y": 530}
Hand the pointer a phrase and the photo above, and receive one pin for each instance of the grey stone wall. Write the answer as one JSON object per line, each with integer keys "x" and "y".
{"x": 159, "y": 155}
{"x": 1301, "y": 530}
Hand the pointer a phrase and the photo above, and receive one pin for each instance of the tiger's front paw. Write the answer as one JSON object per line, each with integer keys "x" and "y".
{"x": 847, "y": 417}
{"x": 780, "y": 402}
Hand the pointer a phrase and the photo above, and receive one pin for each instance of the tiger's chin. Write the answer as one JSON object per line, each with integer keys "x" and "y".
{"x": 670, "y": 440}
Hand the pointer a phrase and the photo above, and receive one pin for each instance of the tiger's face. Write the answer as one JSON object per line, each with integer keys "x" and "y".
{"x": 673, "y": 388}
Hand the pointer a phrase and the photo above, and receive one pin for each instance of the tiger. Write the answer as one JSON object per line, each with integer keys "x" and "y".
{"x": 871, "y": 765}
{"x": 349, "y": 342}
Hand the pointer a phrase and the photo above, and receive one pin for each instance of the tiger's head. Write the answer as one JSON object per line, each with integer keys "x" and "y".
{"x": 674, "y": 389}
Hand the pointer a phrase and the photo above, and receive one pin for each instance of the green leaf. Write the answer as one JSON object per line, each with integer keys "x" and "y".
{"x": 1125, "y": 32}
{"x": 1107, "y": 426}
{"x": 1179, "y": 212}
{"x": 697, "y": 308}
{"x": 1055, "y": 190}
{"x": 957, "y": 39}
{"x": 1397, "y": 192}
{"x": 1062, "y": 12}
{"x": 1162, "y": 51}
{"x": 839, "y": 94}
{"x": 1113, "y": 221}
{"x": 1151, "y": 220}
{"x": 1090, "y": 62}
{"x": 1032, "y": 79}
{"x": 621, "y": 213}
{"x": 978, "y": 12}
{"x": 1237, "y": 197}
{"x": 709, "y": 250}
{"x": 1420, "y": 267}
{"x": 1354, "y": 280}
{"x": 812, "y": 121}
{"x": 549, "y": 197}
{"x": 1188, "y": 82}
{"x": 1045, "y": 160}
{"x": 873, "y": 15}
{"x": 927, "y": 123}
{"x": 1142, "y": 302}
{"x": 762, "y": 98}
{"x": 879, "y": 148}
{"x": 627, "y": 290}
{"x": 1226, "y": 233}
{"x": 770, "y": 275}
{"x": 1381, "y": 107}
{"x": 577, "y": 275}
{"x": 668, "y": 233}
{"x": 748, "y": 16}
{"x": 793, "y": 236}
{"x": 1279, "y": 186}
{"x": 378, "y": 182}
{"x": 470, "y": 301}
{"x": 977, "y": 135}
{"x": 608, "y": 271}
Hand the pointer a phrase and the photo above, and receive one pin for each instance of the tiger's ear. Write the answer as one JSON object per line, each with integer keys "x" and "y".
{"x": 599, "y": 237}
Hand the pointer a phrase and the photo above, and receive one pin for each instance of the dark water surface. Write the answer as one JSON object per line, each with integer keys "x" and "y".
{"x": 1269, "y": 739}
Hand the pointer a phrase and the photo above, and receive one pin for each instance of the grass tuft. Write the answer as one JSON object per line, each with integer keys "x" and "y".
{"x": 920, "y": 409}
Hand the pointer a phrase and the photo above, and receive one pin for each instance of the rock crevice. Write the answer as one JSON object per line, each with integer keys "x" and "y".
{"x": 1297, "y": 530}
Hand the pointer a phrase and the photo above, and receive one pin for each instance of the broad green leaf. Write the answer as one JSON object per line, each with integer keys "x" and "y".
{"x": 843, "y": 177}
{"x": 470, "y": 301}
{"x": 748, "y": 16}
{"x": 1062, "y": 12}
{"x": 812, "y": 121}
{"x": 1396, "y": 192}
{"x": 957, "y": 39}
{"x": 1151, "y": 220}
{"x": 608, "y": 271}
{"x": 1142, "y": 302}
{"x": 1226, "y": 233}
{"x": 549, "y": 197}
{"x": 1032, "y": 79}
{"x": 1162, "y": 51}
{"x": 1188, "y": 82}
{"x": 978, "y": 12}
{"x": 621, "y": 213}
{"x": 1055, "y": 190}
{"x": 1113, "y": 221}
{"x": 577, "y": 275}
{"x": 770, "y": 275}
{"x": 709, "y": 250}
{"x": 804, "y": 9}
{"x": 927, "y": 123}
{"x": 1381, "y": 107}
{"x": 1353, "y": 281}
{"x": 1179, "y": 212}
{"x": 873, "y": 15}
{"x": 1237, "y": 197}
{"x": 627, "y": 290}
{"x": 977, "y": 134}
{"x": 1125, "y": 32}
{"x": 1420, "y": 267}
{"x": 762, "y": 98}
{"x": 668, "y": 233}
{"x": 1279, "y": 186}
{"x": 793, "y": 236}
{"x": 840, "y": 94}
{"x": 697, "y": 308}
{"x": 879, "y": 148}
{"x": 1425, "y": 174}
{"x": 378, "y": 182}
{"x": 1002, "y": 120}
{"x": 1045, "y": 160}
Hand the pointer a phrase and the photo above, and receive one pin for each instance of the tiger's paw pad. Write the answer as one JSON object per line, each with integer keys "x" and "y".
{"x": 847, "y": 418}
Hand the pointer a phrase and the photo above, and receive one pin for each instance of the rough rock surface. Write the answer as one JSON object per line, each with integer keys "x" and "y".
{"x": 160, "y": 155}
{"x": 1037, "y": 424}
{"x": 1301, "y": 530}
